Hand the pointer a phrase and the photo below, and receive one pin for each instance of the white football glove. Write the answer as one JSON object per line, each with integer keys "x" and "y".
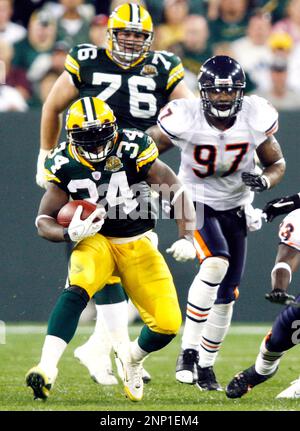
{"x": 182, "y": 250}
{"x": 40, "y": 175}
{"x": 253, "y": 217}
{"x": 79, "y": 229}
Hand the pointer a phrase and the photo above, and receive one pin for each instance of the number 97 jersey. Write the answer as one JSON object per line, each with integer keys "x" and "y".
{"x": 289, "y": 230}
{"x": 213, "y": 160}
{"x": 136, "y": 94}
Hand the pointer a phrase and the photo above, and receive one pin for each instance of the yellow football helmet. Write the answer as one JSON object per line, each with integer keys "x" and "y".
{"x": 129, "y": 18}
{"x": 91, "y": 126}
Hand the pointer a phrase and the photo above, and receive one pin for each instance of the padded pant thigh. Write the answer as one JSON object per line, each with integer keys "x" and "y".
{"x": 91, "y": 264}
{"x": 149, "y": 284}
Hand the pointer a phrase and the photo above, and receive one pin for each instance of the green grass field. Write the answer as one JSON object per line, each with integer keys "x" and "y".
{"x": 74, "y": 389}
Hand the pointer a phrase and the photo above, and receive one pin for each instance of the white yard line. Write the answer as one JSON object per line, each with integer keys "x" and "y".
{"x": 260, "y": 329}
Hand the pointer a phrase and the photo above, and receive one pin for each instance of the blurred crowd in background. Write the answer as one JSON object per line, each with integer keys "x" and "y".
{"x": 263, "y": 35}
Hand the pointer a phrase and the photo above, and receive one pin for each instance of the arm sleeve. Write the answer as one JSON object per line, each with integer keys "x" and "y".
{"x": 147, "y": 155}
{"x": 263, "y": 119}
{"x": 72, "y": 66}
{"x": 176, "y": 73}
{"x": 173, "y": 119}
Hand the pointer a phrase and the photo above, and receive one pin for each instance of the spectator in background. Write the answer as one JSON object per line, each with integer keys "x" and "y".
{"x": 15, "y": 77}
{"x": 280, "y": 95}
{"x": 171, "y": 31}
{"x": 40, "y": 40}
{"x": 9, "y": 31}
{"x": 73, "y": 24}
{"x": 291, "y": 23}
{"x": 232, "y": 21}
{"x": 194, "y": 49}
{"x": 10, "y": 98}
{"x": 48, "y": 66}
{"x": 23, "y": 9}
{"x": 253, "y": 51}
{"x": 98, "y": 28}
{"x": 46, "y": 83}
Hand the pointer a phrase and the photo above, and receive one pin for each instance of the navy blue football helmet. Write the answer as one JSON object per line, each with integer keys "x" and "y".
{"x": 221, "y": 74}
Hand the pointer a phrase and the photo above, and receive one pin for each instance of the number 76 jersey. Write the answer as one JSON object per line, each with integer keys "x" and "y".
{"x": 212, "y": 160}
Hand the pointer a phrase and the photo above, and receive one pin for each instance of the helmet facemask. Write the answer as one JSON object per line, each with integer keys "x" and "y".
{"x": 94, "y": 142}
{"x": 126, "y": 51}
{"x": 218, "y": 108}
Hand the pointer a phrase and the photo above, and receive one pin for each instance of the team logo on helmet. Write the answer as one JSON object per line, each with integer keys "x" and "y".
{"x": 113, "y": 164}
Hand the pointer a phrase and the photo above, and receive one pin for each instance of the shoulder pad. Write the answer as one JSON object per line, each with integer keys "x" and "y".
{"x": 176, "y": 117}
{"x": 262, "y": 116}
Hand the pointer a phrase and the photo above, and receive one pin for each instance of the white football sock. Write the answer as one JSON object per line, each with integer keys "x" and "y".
{"x": 116, "y": 320}
{"x": 267, "y": 362}
{"x": 52, "y": 351}
{"x": 214, "y": 332}
{"x": 202, "y": 295}
{"x": 137, "y": 354}
{"x": 100, "y": 338}
{"x": 200, "y": 300}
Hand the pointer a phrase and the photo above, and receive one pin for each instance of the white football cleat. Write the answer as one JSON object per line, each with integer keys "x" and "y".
{"x": 145, "y": 375}
{"x": 132, "y": 373}
{"x": 97, "y": 361}
{"x": 292, "y": 392}
{"x": 39, "y": 382}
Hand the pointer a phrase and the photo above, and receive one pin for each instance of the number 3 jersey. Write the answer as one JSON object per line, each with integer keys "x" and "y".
{"x": 118, "y": 182}
{"x": 136, "y": 94}
{"x": 212, "y": 160}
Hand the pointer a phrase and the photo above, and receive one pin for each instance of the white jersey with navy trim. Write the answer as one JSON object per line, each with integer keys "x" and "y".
{"x": 289, "y": 230}
{"x": 212, "y": 160}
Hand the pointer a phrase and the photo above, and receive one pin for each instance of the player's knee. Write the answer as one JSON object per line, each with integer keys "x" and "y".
{"x": 281, "y": 266}
{"x": 77, "y": 294}
{"x": 227, "y": 294}
{"x": 213, "y": 269}
{"x": 168, "y": 318}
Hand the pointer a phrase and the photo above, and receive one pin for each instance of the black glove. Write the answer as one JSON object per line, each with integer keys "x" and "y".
{"x": 281, "y": 206}
{"x": 279, "y": 296}
{"x": 257, "y": 182}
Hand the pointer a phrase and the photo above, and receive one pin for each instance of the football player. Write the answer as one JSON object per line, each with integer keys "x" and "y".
{"x": 136, "y": 83}
{"x": 285, "y": 331}
{"x": 116, "y": 169}
{"x": 219, "y": 136}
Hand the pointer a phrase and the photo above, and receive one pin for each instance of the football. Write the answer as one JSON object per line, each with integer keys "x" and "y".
{"x": 66, "y": 213}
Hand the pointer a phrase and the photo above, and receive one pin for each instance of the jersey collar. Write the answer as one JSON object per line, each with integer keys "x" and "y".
{"x": 75, "y": 155}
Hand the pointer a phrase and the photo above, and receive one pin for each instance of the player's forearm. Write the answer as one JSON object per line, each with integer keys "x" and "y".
{"x": 274, "y": 173}
{"x": 185, "y": 216}
{"x": 51, "y": 124}
{"x": 49, "y": 229}
{"x": 163, "y": 143}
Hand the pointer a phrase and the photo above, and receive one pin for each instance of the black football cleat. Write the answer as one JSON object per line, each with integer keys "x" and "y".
{"x": 207, "y": 380}
{"x": 186, "y": 366}
{"x": 244, "y": 381}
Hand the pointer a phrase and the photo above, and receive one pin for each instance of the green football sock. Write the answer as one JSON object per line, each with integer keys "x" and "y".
{"x": 64, "y": 318}
{"x": 151, "y": 341}
{"x": 110, "y": 294}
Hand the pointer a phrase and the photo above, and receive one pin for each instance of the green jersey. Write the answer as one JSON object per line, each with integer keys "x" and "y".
{"x": 118, "y": 182}
{"x": 136, "y": 94}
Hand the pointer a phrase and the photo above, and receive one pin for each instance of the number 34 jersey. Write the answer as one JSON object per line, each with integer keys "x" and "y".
{"x": 118, "y": 182}
{"x": 136, "y": 94}
{"x": 212, "y": 160}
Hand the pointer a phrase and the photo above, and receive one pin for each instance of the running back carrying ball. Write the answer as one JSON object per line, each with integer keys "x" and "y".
{"x": 66, "y": 213}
